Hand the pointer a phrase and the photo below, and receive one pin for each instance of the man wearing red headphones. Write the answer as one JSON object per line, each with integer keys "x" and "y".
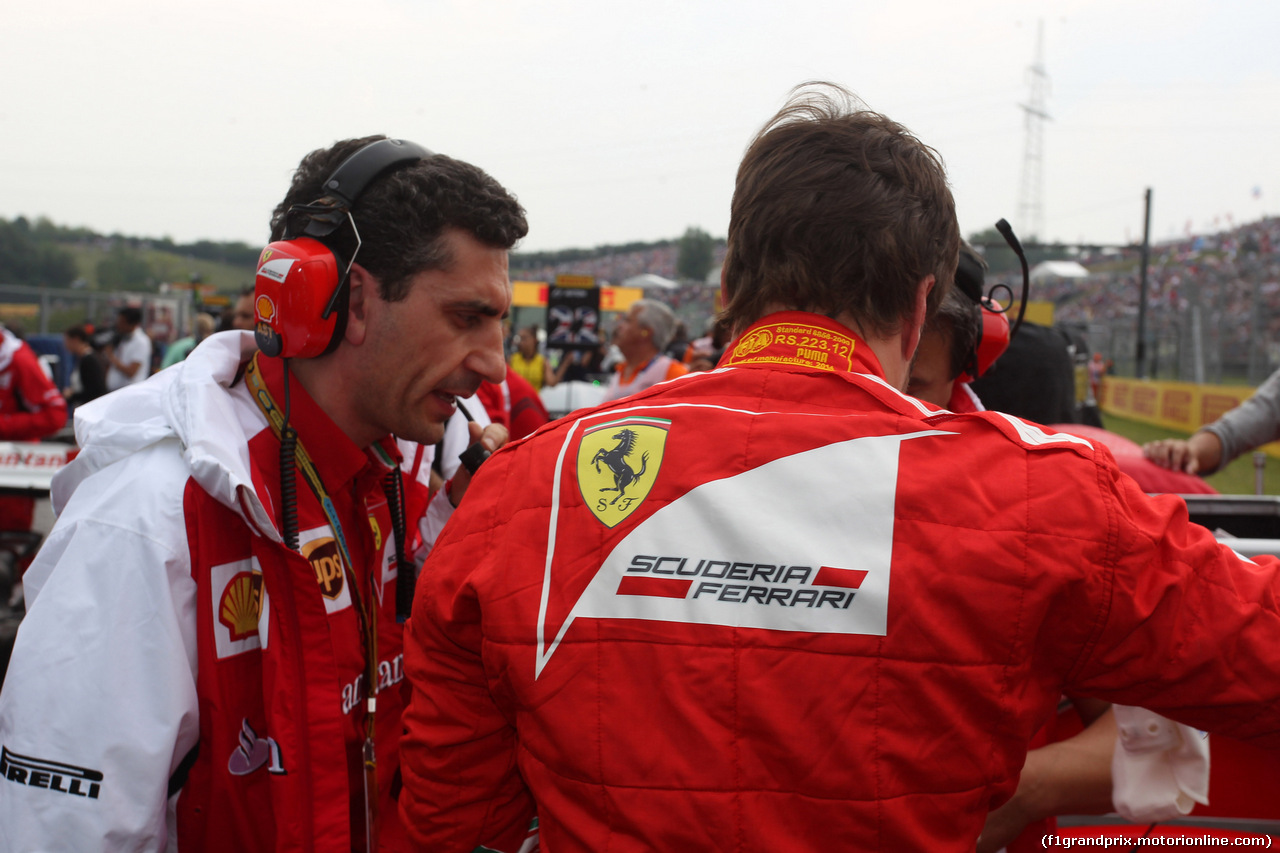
{"x": 960, "y": 341}
{"x": 782, "y": 605}
{"x": 212, "y": 657}
{"x": 946, "y": 345}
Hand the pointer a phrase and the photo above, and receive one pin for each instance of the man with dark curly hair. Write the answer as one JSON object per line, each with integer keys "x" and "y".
{"x": 212, "y": 659}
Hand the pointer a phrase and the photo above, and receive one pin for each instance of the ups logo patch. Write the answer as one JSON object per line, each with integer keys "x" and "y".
{"x": 618, "y": 462}
{"x": 326, "y": 560}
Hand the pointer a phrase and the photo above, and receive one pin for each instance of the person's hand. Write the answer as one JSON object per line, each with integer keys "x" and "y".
{"x": 1172, "y": 453}
{"x": 1067, "y": 777}
{"x": 1003, "y": 825}
{"x": 491, "y": 437}
{"x": 1201, "y": 452}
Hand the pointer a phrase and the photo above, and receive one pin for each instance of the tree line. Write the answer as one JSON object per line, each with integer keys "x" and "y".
{"x": 36, "y": 254}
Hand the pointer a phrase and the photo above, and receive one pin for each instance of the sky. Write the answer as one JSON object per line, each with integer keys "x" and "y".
{"x": 615, "y": 122}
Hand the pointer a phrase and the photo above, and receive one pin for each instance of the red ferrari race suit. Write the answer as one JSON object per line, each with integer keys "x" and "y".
{"x": 182, "y": 679}
{"x": 781, "y": 606}
{"x": 30, "y": 405}
{"x": 30, "y": 409}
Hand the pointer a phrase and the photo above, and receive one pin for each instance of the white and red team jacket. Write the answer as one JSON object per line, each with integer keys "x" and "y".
{"x": 30, "y": 405}
{"x": 182, "y": 681}
{"x": 782, "y": 606}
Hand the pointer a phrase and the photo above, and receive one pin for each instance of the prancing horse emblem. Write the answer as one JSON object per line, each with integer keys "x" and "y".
{"x": 616, "y": 461}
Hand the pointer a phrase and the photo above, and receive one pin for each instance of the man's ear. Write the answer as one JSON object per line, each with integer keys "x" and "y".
{"x": 359, "y": 283}
{"x": 915, "y": 324}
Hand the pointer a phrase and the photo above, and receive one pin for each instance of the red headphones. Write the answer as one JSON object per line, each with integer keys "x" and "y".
{"x": 993, "y": 339}
{"x": 300, "y": 290}
{"x": 993, "y": 326}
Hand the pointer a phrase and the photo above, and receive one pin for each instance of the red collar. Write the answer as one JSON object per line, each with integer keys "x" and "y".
{"x": 801, "y": 339}
{"x": 337, "y": 459}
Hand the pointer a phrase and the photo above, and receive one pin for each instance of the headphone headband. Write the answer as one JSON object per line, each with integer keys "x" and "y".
{"x": 354, "y": 174}
{"x": 343, "y": 188}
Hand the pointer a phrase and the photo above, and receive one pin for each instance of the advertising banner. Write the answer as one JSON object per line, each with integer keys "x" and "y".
{"x": 1177, "y": 405}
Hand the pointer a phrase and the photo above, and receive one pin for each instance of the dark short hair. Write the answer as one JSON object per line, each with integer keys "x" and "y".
{"x": 958, "y": 318}
{"x": 403, "y": 215}
{"x": 79, "y": 333}
{"x": 837, "y": 208}
{"x": 130, "y": 314}
{"x": 958, "y": 315}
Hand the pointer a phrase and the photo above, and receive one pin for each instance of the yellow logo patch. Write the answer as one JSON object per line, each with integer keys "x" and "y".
{"x": 241, "y": 605}
{"x": 618, "y": 462}
{"x": 753, "y": 343}
{"x": 326, "y": 560}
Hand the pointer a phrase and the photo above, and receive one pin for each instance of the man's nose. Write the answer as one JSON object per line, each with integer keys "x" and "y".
{"x": 487, "y": 359}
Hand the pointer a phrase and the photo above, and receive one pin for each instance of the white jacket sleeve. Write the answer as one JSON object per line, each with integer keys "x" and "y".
{"x": 99, "y": 704}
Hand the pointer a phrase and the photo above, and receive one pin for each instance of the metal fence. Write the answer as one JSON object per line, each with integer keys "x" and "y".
{"x": 39, "y": 310}
{"x": 1210, "y": 320}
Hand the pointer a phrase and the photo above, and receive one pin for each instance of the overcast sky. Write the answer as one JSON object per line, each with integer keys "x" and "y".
{"x": 616, "y": 121}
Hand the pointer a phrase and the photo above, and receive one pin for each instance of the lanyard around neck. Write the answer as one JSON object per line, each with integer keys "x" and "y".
{"x": 368, "y": 621}
{"x": 262, "y": 396}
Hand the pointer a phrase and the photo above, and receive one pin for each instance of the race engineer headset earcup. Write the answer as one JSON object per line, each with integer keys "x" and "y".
{"x": 992, "y": 324}
{"x": 300, "y": 290}
{"x": 993, "y": 339}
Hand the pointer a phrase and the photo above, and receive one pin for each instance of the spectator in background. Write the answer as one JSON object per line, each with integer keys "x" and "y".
{"x": 88, "y": 379}
{"x": 704, "y": 352}
{"x": 514, "y": 403}
{"x": 679, "y": 344}
{"x": 179, "y": 349}
{"x": 642, "y": 334}
{"x": 583, "y": 365}
{"x": 129, "y": 359}
{"x": 30, "y": 409}
{"x": 530, "y": 364}
{"x": 1252, "y": 424}
{"x": 1097, "y": 369}
{"x": 30, "y": 405}
{"x": 239, "y": 314}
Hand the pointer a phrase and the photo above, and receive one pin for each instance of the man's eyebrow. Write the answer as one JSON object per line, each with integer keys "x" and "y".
{"x": 478, "y": 306}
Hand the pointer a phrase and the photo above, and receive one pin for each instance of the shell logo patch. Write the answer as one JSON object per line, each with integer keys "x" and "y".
{"x": 618, "y": 462}
{"x": 241, "y": 605}
{"x": 265, "y": 307}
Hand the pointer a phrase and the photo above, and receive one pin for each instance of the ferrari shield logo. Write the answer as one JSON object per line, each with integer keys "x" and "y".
{"x": 617, "y": 464}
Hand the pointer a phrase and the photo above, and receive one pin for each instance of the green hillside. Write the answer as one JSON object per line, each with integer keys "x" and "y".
{"x": 163, "y": 266}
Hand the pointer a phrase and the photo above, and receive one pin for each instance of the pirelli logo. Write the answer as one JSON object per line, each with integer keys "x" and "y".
{"x": 50, "y": 775}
